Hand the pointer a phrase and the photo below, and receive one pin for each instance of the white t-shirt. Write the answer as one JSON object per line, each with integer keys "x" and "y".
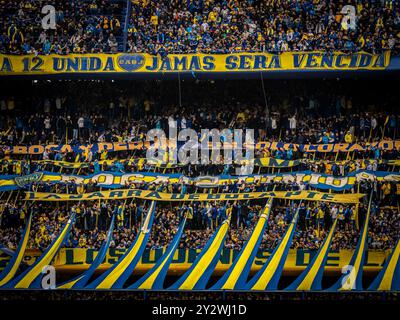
{"x": 273, "y": 123}
{"x": 292, "y": 123}
{"x": 171, "y": 122}
{"x": 47, "y": 124}
{"x": 81, "y": 122}
{"x": 334, "y": 212}
{"x": 45, "y": 155}
{"x": 374, "y": 123}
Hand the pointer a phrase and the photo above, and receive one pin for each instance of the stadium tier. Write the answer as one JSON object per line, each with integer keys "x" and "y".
{"x": 200, "y": 148}
{"x": 199, "y": 26}
{"x": 77, "y": 178}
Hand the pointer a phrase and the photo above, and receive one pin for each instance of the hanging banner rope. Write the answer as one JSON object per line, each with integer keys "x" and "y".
{"x": 352, "y": 279}
{"x": 197, "y": 276}
{"x": 80, "y": 281}
{"x": 311, "y": 277}
{"x": 12, "y": 267}
{"x": 388, "y": 278}
{"x": 237, "y": 274}
{"x": 31, "y": 277}
{"x": 268, "y": 276}
{"x": 154, "y": 279}
{"x": 116, "y": 276}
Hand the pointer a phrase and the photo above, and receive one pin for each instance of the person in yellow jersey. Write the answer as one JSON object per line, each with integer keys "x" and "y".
{"x": 80, "y": 189}
{"x": 320, "y": 216}
{"x": 352, "y": 167}
{"x": 22, "y": 215}
{"x": 104, "y": 154}
{"x": 212, "y": 16}
{"x": 119, "y": 211}
{"x": 348, "y": 138}
{"x": 386, "y": 188}
{"x": 154, "y": 20}
{"x": 82, "y": 241}
{"x": 77, "y": 210}
{"x": 18, "y": 168}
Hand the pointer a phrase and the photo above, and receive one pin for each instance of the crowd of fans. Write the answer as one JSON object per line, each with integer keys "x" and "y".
{"x": 187, "y": 26}
{"x": 93, "y": 220}
{"x": 80, "y": 112}
{"x": 77, "y": 112}
{"x": 86, "y": 112}
{"x": 90, "y": 26}
{"x": 256, "y": 26}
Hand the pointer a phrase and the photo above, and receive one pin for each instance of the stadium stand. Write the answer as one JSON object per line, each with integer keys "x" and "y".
{"x": 76, "y": 176}
{"x": 180, "y": 26}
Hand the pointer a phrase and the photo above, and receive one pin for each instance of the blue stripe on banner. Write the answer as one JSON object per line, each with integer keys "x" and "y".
{"x": 203, "y": 280}
{"x": 36, "y": 284}
{"x": 244, "y": 273}
{"x": 85, "y": 277}
{"x": 119, "y": 283}
{"x": 349, "y": 280}
{"x": 165, "y": 259}
{"x": 273, "y": 283}
{"x": 344, "y": 185}
{"x": 20, "y": 250}
{"x": 317, "y": 281}
{"x": 395, "y": 284}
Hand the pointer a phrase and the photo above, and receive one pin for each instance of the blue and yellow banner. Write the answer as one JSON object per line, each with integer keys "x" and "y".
{"x": 116, "y": 276}
{"x": 311, "y": 278}
{"x": 267, "y": 278}
{"x": 140, "y": 145}
{"x": 80, "y": 281}
{"x": 154, "y": 279}
{"x": 351, "y": 280}
{"x": 32, "y": 276}
{"x": 388, "y": 278}
{"x": 78, "y": 260}
{"x": 43, "y": 165}
{"x": 236, "y": 276}
{"x": 162, "y": 196}
{"x": 12, "y": 267}
{"x": 115, "y": 180}
{"x": 202, "y": 63}
{"x": 196, "y": 278}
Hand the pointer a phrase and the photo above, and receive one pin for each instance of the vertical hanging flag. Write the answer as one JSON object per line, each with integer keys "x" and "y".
{"x": 388, "y": 278}
{"x": 80, "y": 281}
{"x": 311, "y": 277}
{"x": 199, "y": 273}
{"x": 116, "y": 276}
{"x": 13, "y": 265}
{"x": 236, "y": 276}
{"x": 31, "y": 278}
{"x": 267, "y": 278}
{"x": 352, "y": 280}
{"x": 154, "y": 279}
